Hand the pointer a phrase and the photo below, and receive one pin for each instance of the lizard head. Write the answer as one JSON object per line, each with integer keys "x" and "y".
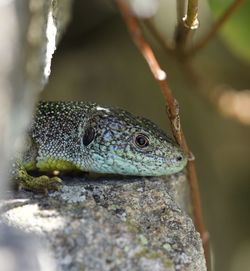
{"x": 118, "y": 142}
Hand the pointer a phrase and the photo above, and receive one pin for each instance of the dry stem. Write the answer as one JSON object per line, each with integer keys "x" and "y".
{"x": 173, "y": 114}
{"x": 217, "y": 25}
{"x": 186, "y": 26}
{"x": 191, "y": 19}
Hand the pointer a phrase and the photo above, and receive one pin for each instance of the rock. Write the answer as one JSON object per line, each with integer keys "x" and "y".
{"x": 32, "y": 29}
{"x": 29, "y": 34}
{"x": 20, "y": 251}
{"x": 111, "y": 224}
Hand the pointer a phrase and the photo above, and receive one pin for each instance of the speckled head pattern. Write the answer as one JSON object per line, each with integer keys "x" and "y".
{"x": 104, "y": 140}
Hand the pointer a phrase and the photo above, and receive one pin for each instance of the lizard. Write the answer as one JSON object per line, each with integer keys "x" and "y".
{"x": 84, "y": 136}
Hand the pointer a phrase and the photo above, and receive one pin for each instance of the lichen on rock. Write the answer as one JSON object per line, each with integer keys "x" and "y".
{"x": 113, "y": 224}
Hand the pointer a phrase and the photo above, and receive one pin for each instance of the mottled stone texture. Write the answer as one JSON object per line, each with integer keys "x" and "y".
{"x": 30, "y": 32}
{"x": 112, "y": 224}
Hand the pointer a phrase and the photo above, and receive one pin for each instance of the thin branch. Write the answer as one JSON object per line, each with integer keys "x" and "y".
{"x": 187, "y": 25}
{"x": 191, "y": 20}
{"x": 216, "y": 27}
{"x": 173, "y": 114}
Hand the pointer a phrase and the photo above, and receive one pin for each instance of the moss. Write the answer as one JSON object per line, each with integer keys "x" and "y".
{"x": 155, "y": 255}
{"x": 143, "y": 253}
{"x": 113, "y": 207}
{"x": 142, "y": 239}
{"x": 120, "y": 254}
{"x": 132, "y": 228}
{"x": 168, "y": 263}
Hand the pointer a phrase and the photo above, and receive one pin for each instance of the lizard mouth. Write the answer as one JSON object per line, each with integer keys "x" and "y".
{"x": 158, "y": 161}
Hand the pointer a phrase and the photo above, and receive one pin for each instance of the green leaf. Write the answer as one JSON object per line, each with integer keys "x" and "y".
{"x": 236, "y": 30}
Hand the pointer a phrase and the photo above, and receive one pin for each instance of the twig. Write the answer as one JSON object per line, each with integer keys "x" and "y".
{"x": 191, "y": 19}
{"x": 217, "y": 25}
{"x": 187, "y": 25}
{"x": 173, "y": 114}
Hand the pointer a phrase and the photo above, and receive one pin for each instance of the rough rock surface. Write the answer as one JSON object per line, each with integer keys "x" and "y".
{"x": 32, "y": 29}
{"x": 111, "y": 224}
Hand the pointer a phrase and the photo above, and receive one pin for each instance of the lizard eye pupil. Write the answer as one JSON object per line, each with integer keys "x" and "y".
{"x": 179, "y": 158}
{"x": 141, "y": 141}
{"x": 88, "y": 136}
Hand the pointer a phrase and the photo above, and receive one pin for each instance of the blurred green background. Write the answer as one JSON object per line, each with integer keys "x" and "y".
{"x": 96, "y": 61}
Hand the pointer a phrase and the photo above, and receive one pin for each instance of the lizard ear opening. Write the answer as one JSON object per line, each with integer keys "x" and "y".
{"x": 88, "y": 136}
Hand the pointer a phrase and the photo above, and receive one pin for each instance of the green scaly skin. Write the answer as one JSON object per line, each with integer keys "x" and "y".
{"x": 87, "y": 137}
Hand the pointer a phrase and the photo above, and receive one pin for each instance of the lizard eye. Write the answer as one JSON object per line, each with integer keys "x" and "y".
{"x": 179, "y": 158}
{"x": 141, "y": 140}
{"x": 88, "y": 136}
